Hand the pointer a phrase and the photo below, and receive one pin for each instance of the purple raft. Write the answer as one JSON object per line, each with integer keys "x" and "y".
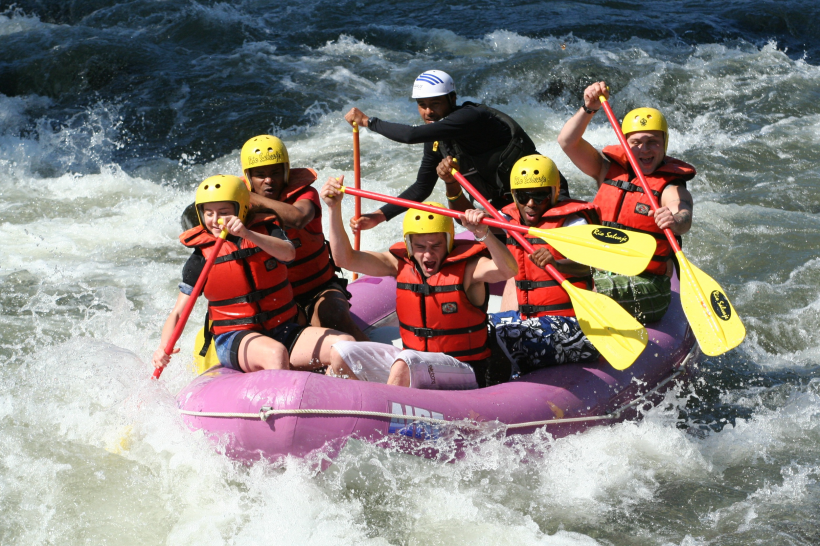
{"x": 306, "y": 412}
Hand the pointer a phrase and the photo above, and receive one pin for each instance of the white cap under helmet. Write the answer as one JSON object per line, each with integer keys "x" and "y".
{"x": 433, "y": 83}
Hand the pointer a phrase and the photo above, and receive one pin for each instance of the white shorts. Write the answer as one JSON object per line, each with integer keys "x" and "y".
{"x": 372, "y": 362}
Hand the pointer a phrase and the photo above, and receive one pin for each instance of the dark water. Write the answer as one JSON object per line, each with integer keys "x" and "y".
{"x": 111, "y": 113}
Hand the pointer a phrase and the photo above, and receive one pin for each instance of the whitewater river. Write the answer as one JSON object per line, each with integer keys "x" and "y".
{"x": 110, "y": 114}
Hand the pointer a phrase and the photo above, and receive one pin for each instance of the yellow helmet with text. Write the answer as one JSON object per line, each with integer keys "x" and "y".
{"x": 646, "y": 119}
{"x": 223, "y": 187}
{"x": 264, "y": 150}
{"x": 418, "y": 222}
{"x": 535, "y": 172}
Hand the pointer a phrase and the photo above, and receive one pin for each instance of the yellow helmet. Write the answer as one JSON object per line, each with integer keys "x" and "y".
{"x": 535, "y": 171}
{"x": 264, "y": 150}
{"x": 646, "y": 119}
{"x": 223, "y": 187}
{"x": 419, "y": 222}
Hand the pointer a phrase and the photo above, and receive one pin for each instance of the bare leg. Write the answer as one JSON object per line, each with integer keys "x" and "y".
{"x": 313, "y": 350}
{"x": 399, "y": 374}
{"x": 332, "y": 311}
{"x": 339, "y": 367}
{"x": 509, "y": 301}
{"x": 259, "y": 352}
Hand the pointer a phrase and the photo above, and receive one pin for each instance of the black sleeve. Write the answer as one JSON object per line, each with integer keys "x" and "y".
{"x": 193, "y": 268}
{"x": 423, "y": 186}
{"x": 457, "y": 124}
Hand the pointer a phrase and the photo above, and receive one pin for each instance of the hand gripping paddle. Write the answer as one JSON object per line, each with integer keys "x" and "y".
{"x": 596, "y": 246}
{"x": 597, "y": 314}
{"x": 711, "y": 316}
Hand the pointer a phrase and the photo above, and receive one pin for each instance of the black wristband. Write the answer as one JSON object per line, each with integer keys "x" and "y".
{"x": 588, "y": 110}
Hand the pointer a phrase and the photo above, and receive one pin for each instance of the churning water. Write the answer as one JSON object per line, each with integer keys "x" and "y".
{"x": 111, "y": 113}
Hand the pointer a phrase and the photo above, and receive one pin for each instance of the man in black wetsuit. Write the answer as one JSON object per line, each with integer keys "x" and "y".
{"x": 485, "y": 142}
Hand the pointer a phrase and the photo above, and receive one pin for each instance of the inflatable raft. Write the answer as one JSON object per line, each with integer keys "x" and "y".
{"x": 271, "y": 414}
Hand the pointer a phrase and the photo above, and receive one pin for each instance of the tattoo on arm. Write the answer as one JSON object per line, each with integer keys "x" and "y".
{"x": 683, "y": 216}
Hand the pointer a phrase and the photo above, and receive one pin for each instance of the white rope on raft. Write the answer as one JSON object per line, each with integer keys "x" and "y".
{"x": 266, "y": 412}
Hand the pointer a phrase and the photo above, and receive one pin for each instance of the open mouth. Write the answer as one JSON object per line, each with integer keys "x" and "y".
{"x": 530, "y": 216}
{"x": 429, "y": 265}
{"x": 646, "y": 161}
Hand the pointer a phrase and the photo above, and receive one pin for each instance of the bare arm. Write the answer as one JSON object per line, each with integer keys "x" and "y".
{"x": 501, "y": 265}
{"x": 297, "y": 215}
{"x": 160, "y": 359}
{"x": 376, "y": 264}
{"x": 280, "y": 249}
{"x": 675, "y": 210}
{"x": 582, "y": 153}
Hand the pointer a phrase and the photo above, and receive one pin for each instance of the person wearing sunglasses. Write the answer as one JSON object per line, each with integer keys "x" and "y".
{"x": 539, "y": 328}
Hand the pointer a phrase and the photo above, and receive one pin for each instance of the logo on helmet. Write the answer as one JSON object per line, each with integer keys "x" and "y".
{"x": 643, "y": 122}
{"x": 610, "y": 235}
{"x": 259, "y": 157}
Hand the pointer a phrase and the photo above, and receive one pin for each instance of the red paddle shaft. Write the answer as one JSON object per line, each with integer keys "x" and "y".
{"x": 357, "y": 182}
{"x": 429, "y": 208}
{"x": 189, "y": 305}
{"x": 670, "y": 236}
{"x": 497, "y": 215}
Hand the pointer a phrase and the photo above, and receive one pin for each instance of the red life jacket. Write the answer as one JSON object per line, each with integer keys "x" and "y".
{"x": 313, "y": 265}
{"x": 247, "y": 289}
{"x": 624, "y": 205}
{"x": 537, "y": 292}
{"x": 434, "y": 313}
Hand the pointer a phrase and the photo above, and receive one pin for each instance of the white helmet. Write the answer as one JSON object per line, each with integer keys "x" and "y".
{"x": 433, "y": 83}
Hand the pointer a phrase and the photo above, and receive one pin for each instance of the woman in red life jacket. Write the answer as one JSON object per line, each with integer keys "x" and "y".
{"x": 321, "y": 295}
{"x": 539, "y": 328}
{"x": 623, "y": 204}
{"x": 441, "y": 297}
{"x": 250, "y": 301}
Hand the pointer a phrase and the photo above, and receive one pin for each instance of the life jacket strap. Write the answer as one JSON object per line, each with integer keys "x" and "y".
{"x": 316, "y": 275}
{"x": 426, "y": 289}
{"x": 529, "y": 310}
{"x": 313, "y": 256}
{"x": 252, "y": 297}
{"x": 240, "y": 254}
{"x": 626, "y": 185}
{"x": 532, "y": 285}
{"x": 260, "y": 318}
{"x": 431, "y": 332}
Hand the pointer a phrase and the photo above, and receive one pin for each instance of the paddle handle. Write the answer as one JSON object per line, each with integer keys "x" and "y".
{"x": 670, "y": 236}
{"x": 428, "y": 208}
{"x": 357, "y": 183}
{"x": 189, "y": 305}
{"x": 497, "y": 215}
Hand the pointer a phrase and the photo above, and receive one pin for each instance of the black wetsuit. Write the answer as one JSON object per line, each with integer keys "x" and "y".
{"x": 470, "y": 130}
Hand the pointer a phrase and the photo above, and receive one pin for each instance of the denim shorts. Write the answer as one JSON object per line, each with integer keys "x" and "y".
{"x": 227, "y": 344}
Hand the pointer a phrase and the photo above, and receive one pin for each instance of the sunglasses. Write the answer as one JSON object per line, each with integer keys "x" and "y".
{"x": 537, "y": 197}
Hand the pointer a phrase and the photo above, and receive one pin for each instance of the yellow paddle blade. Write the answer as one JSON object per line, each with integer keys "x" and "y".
{"x": 711, "y": 316}
{"x": 614, "y": 332}
{"x": 208, "y": 361}
{"x": 610, "y": 249}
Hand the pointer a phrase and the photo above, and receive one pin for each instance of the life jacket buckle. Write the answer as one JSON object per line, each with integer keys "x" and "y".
{"x": 527, "y": 309}
{"x": 423, "y": 332}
